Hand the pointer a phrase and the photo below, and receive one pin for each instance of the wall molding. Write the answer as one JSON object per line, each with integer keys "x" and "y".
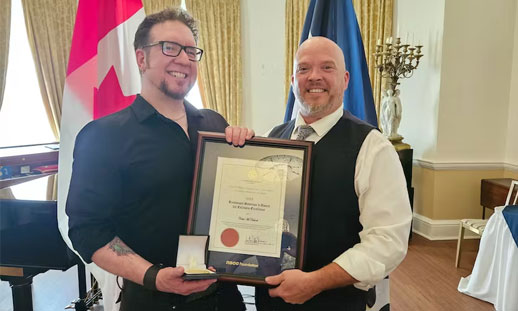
{"x": 436, "y": 230}
{"x": 466, "y": 166}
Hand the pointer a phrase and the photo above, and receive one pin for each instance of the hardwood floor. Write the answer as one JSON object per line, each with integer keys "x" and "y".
{"x": 426, "y": 281}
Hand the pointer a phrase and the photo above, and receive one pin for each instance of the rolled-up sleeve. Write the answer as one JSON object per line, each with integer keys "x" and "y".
{"x": 95, "y": 191}
{"x": 385, "y": 213}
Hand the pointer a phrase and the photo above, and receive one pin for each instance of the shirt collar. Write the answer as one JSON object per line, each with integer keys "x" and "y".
{"x": 192, "y": 112}
{"x": 321, "y": 126}
{"x": 144, "y": 110}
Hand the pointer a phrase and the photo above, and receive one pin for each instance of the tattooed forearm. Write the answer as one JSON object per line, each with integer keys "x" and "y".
{"x": 119, "y": 247}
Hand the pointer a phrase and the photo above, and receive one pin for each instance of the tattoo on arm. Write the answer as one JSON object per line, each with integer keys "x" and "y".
{"x": 119, "y": 247}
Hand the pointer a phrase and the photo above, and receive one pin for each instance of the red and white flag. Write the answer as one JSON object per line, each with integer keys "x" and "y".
{"x": 102, "y": 78}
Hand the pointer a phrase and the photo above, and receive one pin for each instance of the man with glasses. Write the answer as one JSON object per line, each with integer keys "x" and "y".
{"x": 132, "y": 176}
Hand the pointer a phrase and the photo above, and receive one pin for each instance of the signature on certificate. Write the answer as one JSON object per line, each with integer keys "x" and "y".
{"x": 253, "y": 239}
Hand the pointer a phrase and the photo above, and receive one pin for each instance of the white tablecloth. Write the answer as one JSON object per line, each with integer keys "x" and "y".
{"x": 495, "y": 275}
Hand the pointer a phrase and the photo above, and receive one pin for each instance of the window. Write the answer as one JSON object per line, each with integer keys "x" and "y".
{"x": 23, "y": 119}
{"x": 194, "y": 96}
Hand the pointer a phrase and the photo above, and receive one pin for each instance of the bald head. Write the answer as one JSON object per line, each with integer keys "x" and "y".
{"x": 313, "y": 44}
{"x": 319, "y": 79}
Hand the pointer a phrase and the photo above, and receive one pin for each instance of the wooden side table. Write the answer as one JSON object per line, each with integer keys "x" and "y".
{"x": 493, "y": 192}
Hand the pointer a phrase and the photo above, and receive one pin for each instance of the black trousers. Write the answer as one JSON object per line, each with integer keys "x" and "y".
{"x": 219, "y": 297}
{"x": 327, "y": 301}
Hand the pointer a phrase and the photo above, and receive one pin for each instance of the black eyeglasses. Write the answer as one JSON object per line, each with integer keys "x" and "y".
{"x": 174, "y": 49}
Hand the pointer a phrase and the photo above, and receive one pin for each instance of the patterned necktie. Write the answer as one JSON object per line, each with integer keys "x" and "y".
{"x": 304, "y": 132}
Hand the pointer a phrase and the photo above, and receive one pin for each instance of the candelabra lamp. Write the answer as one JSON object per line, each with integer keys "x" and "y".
{"x": 394, "y": 61}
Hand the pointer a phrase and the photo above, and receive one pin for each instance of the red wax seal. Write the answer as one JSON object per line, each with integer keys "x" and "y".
{"x": 229, "y": 237}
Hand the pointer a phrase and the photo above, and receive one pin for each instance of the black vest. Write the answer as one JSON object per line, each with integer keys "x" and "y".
{"x": 333, "y": 214}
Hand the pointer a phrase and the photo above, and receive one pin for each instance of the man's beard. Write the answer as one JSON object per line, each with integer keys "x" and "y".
{"x": 316, "y": 110}
{"x": 309, "y": 110}
{"x": 173, "y": 95}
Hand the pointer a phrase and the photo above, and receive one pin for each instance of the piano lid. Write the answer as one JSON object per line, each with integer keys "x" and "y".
{"x": 20, "y": 164}
{"x": 18, "y": 155}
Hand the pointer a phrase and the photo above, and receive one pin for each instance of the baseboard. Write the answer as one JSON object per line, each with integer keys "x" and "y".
{"x": 436, "y": 230}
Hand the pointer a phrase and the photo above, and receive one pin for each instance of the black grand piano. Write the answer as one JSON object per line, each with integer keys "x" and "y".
{"x": 30, "y": 242}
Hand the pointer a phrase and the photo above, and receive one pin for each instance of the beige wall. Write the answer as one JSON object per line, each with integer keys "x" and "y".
{"x": 512, "y": 129}
{"x": 461, "y": 115}
{"x": 475, "y": 80}
{"x": 511, "y": 174}
{"x": 451, "y": 194}
{"x": 423, "y": 21}
{"x": 262, "y": 38}
{"x": 458, "y": 104}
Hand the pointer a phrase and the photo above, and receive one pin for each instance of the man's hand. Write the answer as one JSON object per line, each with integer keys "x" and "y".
{"x": 236, "y": 135}
{"x": 298, "y": 287}
{"x": 294, "y": 286}
{"x": 170, "y": 280}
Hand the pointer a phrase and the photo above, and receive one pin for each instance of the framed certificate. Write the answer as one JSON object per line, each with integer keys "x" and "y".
{"x": 251, "y": 201}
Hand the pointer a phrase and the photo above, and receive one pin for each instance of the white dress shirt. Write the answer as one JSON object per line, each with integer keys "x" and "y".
{"x": 385, "y": 212}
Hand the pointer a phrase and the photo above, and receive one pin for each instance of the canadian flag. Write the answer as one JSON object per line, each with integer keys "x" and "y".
{"x": 102, "y": 78}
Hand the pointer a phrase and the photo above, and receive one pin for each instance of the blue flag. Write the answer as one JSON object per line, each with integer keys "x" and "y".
{"x": 336, "y": 20}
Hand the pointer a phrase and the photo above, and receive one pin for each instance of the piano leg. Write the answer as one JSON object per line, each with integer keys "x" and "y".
{"x": 81, "y": 277}
{"x": 21, "y": 289}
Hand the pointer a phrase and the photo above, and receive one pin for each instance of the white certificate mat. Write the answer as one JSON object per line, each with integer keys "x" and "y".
{"x": 248, "y": 207}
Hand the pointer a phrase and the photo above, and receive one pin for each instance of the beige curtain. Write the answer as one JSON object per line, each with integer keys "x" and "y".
{"x": 5, "y": 29}
{"x": 50, "y": 24}
{"x": 295, "y": 16}
{"x": 220, "y": 68}
{"x": 375, "y": 20}
{"x": 153, "y": 6}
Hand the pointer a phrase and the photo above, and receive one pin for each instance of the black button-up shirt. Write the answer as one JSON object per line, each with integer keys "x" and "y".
{"x": 132, "y": 178}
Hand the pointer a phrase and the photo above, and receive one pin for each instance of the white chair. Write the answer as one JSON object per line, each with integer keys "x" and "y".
{"x": 474, "y": 225}
{"x": 478, "y": 225}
